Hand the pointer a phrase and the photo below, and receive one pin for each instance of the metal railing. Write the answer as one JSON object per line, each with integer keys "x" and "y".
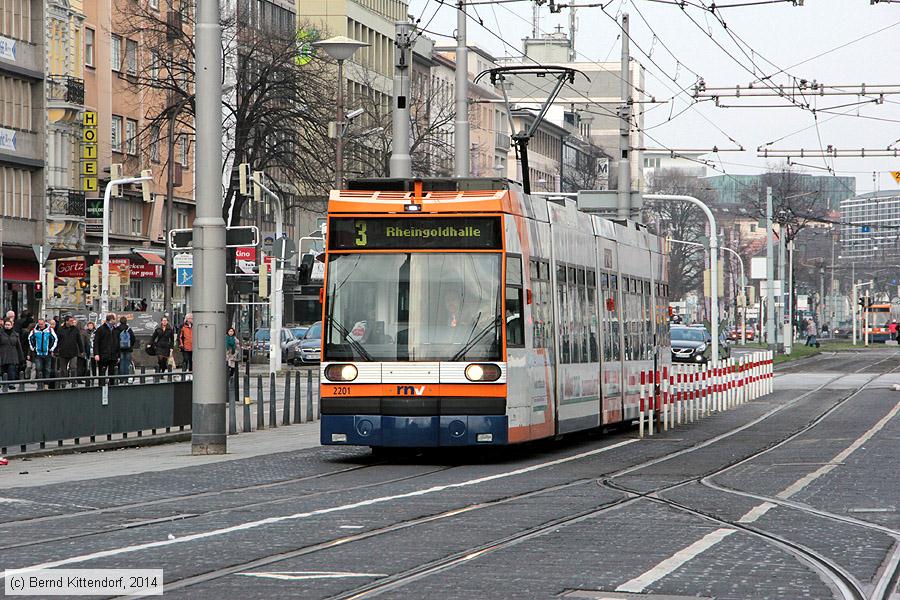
{"x": 67, "y": 203}
{"x": 66, "y": 89}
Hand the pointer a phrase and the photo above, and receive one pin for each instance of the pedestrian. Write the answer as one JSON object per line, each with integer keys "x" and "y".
{"x": 824, "y": 329}
{"x": 163, "y": 341}
{"x": 69, "y": 348}
{"x": 143, "y": 306}
{"x": 106, "y": 348}
{"x": 127, "y": 340}
{"x": 11, "y": 354}
{"x": 42, "y": 342}
{"x": 10, "y": 316}
{"x": 811, "y": 334}
{"x": 232, "y": 353}
{"x": 186, "y": 343}
{"x": 91, "y": 364}
{"x": 892, "y": 329}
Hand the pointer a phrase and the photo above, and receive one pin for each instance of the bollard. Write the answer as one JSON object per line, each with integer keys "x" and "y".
{"x": 651, "y": 402}
{"x": 641, "y": 406}
{"x": 247, "y": 401}
{"x": 273, "y": 415}
{"x": 309, "y": 397}
{"x": 232, "y": 409}
{"x": 297, "y": 397}
{"x": 664, "y": 392}
{"x": 286, "y": 417}
{"x": 260, "y": 413}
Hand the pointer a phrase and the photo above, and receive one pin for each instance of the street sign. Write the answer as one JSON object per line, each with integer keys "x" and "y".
{"x": 185, "y": 260}
{"x": 284, "y": 248}
{"x": 865, "y": 229}
{"x": 758, "y": 267}
{"x": 184, "y": 277}
{"x": 245, "y": 259}
{"x": 183, "y": 239}
{"x": 896, "y": 176}
{"x": 41, "y": 253}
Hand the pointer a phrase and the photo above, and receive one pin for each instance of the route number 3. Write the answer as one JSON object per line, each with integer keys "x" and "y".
{"x": 361, "y": 239}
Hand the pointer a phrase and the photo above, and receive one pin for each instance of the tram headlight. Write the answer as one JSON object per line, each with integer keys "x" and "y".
{"x": 341, "y": 372}
{"x": 482, "y": 372}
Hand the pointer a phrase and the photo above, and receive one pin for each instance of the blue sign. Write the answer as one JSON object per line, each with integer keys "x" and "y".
{"x": 184, "y": 277}
{"x": 865, "y": 229}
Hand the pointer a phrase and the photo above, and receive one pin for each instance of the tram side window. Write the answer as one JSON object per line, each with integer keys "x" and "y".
{"x": 564, "y": 319}
{"x": 540, "y": 303}
{"x": 515, "y": 322}
{"x": 591, "y": 315}
{"x": 575, "y": 331}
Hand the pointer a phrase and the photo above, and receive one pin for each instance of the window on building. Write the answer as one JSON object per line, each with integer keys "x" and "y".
{"x": 131, "y": 136}
{"x": 154, "y": 4}
{"x": 154, "y": 65}
{"x": 116, "y": 139}
{"x": 89, "y": 47}
{"x": 154, "y": 143}
{"x": 15, "y": 192}
{"x": 115, "y": 53}
{"x": 183, "y": 151}
{"x": 131, "y": 57}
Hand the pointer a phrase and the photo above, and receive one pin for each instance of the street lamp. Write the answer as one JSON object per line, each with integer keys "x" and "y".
{"x": 340, "y": 48}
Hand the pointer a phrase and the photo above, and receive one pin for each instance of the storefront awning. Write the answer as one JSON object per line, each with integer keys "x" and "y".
{"x": 151, "y": 258}
{"x": 19, "y": 270}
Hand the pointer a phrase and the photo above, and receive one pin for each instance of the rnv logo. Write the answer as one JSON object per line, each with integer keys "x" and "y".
{"x": 409, "y": 390}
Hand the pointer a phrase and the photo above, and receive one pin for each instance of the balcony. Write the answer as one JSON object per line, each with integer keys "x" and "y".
{"x": 65, "y": 94}
{"x": 65, "y": 205}
{"x": 501, "y": 141}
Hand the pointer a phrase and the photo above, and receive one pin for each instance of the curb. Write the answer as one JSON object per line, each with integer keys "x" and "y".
{"x": 138, "y": 442}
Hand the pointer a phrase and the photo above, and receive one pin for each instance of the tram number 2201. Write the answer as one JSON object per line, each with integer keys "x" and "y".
{"x": 341, "y": 390}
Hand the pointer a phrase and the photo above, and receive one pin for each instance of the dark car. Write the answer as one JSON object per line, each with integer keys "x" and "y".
{"x": 310, "y": 347}
{"x": 694, "y": 345}
{"x": 289, "y": 344}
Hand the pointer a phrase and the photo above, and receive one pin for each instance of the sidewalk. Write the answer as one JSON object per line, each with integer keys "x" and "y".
{"x": 129, "y": 461}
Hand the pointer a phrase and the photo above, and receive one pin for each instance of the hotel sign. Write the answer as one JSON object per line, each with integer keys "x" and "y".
{"x": 89, "y": 151}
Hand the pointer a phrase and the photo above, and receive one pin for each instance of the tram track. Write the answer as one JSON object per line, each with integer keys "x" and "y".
{"x": 220, "y": 511}
{"x": 408, "y": 576}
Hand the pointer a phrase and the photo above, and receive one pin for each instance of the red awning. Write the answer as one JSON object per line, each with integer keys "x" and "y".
{"x": 151, "y": 258}
{"x": 19, "y": 270}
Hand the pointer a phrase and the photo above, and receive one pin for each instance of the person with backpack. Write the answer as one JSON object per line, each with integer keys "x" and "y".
{"x": 127, "y": 340}
{"x": 69, "y": 348}
{"x": 163, "y": 341}
{"x": 106, "y": 348}
{"x": 186, "y": 343}
{"x": 11, "y": 355}
{"x": 42, "y": 342}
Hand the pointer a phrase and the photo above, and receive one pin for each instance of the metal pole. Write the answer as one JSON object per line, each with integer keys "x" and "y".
{"x": 853, "y": 301}
{"x": 461, "y": 120}
{"x": 2, "y": 283}
{"x": 401, "y": 162}
{"x": 713, "y": 263}
{"x": 866, "y": 318}
{"x": 789, "y": 338}
{"x": 770, "y": 273}
{"x": 782, "y": 259}
{"x": 210, "y": 380}
{"x": 339, "y": 142}
{"x": 623, "y": 207}
{"x": 276, "y": 299}
{"x": 104, "y": 252}
{"x": 170, "y": 200}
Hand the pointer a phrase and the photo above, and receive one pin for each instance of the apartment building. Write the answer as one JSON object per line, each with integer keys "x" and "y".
{"x": 22, "y": 152}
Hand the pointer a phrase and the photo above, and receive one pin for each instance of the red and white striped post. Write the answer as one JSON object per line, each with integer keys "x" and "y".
{"x": 642, "y": 400}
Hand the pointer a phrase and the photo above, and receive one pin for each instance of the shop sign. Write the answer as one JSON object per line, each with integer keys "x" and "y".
{"x": 145, "y": 271}
{"x": 71, "y": 268}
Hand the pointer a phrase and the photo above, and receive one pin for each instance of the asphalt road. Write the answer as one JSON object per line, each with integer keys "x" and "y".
{"x": 792, "y": 496}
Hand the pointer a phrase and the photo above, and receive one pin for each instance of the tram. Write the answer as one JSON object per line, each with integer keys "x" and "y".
{"x": 462, "y": 312}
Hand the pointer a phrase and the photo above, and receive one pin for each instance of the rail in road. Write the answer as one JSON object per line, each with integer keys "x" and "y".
{"x": 782, "y": 497}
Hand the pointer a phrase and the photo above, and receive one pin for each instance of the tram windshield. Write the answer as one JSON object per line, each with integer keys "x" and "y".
{"x": 413, "y": 307}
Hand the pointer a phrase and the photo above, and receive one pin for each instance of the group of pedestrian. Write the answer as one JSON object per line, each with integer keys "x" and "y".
{"x": 64, "y": 348}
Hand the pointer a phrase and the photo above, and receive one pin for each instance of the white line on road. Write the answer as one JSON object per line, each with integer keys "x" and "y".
{"x": 303, "y": 575}
{"x": 840, "y": 458}
{"x": 640, "y": 583}
{"x": 756, "y": 512}
{"x": 322, "y": 511}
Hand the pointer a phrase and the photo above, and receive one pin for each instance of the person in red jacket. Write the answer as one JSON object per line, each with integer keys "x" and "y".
{"x": 186, "y": 343}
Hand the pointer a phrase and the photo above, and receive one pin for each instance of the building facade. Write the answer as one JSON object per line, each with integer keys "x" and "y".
{"x": 870, "y": 227}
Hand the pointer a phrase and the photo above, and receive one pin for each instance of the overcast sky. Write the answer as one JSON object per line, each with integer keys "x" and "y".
{"x": 780, "y": 33}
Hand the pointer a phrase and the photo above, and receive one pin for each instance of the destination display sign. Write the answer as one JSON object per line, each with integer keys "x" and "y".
{"x": 415, "y": 233}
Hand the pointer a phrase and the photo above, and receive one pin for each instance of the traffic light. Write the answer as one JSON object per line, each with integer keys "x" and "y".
{"x": 38, "y": 290}
{"x": 257, "y": 191}
{"x": 83, "y": 284}
{"x": 145, "y": 185}
{"x": 244, "y": 173}
{"x": 304, "y": 271}
{"x": 115, "y": 172}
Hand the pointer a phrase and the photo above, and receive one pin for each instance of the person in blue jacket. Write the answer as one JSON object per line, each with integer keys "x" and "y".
{"x": 42, "y": 342}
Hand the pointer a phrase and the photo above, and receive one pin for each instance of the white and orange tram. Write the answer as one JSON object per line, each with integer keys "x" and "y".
{"x": 464, "y": 312}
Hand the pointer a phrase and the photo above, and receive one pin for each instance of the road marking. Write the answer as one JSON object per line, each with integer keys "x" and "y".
{"x": 322, "y": 511}
{"x": 841, "y": 457}
{"x": 641, "y": 582}
{"x": 756, "y": 512}
{"x": 351, "y": 526}
{"x": 303, "y": 575}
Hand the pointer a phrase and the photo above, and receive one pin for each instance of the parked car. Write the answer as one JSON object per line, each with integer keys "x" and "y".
{"x": 694, "y": 344}
{"x": 310, "y": 347}
{"x": 734, "y": 334}
{"x": 289, "y": 344}
{"x": 298, "y": 330}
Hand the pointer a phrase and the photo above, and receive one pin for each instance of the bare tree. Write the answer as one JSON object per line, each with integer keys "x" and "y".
{"x": 798, "y": 200}
{"x": 680, "y": 221}
{"x": 583, "y": 167}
